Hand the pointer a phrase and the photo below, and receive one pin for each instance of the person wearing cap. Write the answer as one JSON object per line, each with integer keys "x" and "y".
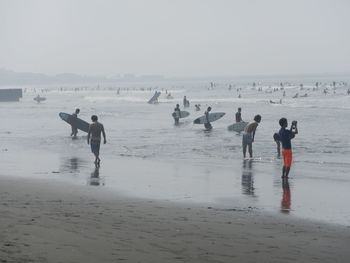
{"x": 74, "y": 129}
{"x": 249, "y": 135}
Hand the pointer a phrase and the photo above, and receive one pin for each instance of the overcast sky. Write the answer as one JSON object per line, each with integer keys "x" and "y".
{"x": 175, "y": 37}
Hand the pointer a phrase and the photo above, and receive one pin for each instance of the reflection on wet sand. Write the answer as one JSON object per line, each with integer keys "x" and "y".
{"x": 286, "y": 197}
{"x": 247, "y": 178}
{"x": 74, "y": 164}
{"x": 71, "y": 165}
{"x": 95, "y": 179}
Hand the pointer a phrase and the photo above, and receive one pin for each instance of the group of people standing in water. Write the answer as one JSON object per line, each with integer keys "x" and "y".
{"x": 283, "y": 137}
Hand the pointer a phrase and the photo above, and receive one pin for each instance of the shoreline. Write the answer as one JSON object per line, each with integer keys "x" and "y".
{"x": 52, "y": 221}
{"x": 237, "y": 184}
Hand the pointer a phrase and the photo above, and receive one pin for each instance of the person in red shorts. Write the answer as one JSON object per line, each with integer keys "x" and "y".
{"x": 285, "y": 136}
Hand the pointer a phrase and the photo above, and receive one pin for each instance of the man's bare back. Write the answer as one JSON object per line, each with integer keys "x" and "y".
{"x": 96, "y": 129}
{"x": 251, "y": 127}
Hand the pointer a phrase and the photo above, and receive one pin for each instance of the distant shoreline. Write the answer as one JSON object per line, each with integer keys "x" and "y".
{"x": 8, "y": 77}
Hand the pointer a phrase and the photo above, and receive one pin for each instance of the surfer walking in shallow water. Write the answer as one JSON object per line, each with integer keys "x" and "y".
{"x": 177, "y": 112}
{"x": 75, "y": 129}
{"x": 207, "y": 124}
{"x": 95, "y": 130}
{"x": 239, "y": 115}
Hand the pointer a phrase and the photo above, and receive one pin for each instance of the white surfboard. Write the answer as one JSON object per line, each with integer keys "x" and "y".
{"x": 212, "y": 117}
{"x": 237, "y": 127}
{"x": 183, "y": 114}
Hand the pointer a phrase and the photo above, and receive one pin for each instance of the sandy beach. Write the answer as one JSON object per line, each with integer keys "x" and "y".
{"x": 50, "y": 221}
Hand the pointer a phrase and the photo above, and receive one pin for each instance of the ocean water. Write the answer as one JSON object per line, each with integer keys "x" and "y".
{"x": 147, "y": 156}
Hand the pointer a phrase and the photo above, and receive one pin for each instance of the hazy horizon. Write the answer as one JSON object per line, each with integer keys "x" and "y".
{"x": 130, "y": 75}
{"x": 175, "y": 38}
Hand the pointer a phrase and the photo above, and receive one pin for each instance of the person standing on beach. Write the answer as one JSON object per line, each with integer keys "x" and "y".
{"x": 285, "y": 136}
{"x": 249, "y": 135}
{"x": 207, "y": 124}
{"x": 74, "y": 129}
{"x": 238, "y": 115}
{"x": 95, "y": 130}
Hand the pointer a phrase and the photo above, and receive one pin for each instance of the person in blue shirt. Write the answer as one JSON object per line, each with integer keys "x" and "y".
{"x": 285, "y": 136}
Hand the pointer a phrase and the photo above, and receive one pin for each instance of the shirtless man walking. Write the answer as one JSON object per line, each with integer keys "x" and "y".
{"x": 95, "y": 130}
{"x": 249, "y": 134}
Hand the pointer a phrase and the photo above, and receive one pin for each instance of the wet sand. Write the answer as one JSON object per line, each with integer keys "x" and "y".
{"x": 51, "y": 221}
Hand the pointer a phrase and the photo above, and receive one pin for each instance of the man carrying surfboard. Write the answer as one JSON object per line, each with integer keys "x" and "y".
{"x": 207, "y": 124}
{"x": 75, "y": 129}
{"x": 95, "y": 130}
{"x": 249, "y": 135}
{"x": 177, "y": 114}
{"x": 238, "y": 115}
